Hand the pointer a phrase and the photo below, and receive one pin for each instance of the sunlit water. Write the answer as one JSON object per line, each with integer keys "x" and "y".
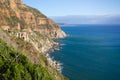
{"x": 90, "y": 52}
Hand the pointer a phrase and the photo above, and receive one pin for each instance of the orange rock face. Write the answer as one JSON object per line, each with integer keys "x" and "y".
{"x": 18, "y": 16}
{"x": 42, "y": 21}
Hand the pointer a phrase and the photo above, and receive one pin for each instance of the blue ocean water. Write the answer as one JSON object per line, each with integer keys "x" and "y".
{"x": 91, "y": 52}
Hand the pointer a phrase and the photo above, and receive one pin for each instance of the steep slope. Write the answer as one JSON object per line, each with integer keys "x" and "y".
{"x": 15, "y": 66}
{"x": 30, "y": 33}
{"x": 16, "y": 15}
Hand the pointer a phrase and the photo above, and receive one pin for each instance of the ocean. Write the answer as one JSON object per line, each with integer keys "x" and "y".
{"x": 90, "y": 52}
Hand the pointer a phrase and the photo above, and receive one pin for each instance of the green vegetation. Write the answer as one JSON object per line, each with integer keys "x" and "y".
{"x": 15, "y": 66}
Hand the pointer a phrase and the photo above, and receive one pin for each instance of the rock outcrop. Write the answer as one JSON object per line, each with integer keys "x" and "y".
{"x": 36, "y": 31}
{"x": 27, "y": 18}
{"x": 29, "y": 24}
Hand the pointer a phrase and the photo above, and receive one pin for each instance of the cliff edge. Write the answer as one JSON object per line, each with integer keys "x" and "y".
{"x": 29, "y": 32}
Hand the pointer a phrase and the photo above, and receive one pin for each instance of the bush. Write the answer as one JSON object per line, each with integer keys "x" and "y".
{"x": 15, "y": 66}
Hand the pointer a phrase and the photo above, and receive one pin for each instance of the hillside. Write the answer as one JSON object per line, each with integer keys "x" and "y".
{"x": 26, "y": 32}
{"x": 15, "y": 66}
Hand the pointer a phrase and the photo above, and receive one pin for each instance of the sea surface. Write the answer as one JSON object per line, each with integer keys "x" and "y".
{"x": 90, "y": 52}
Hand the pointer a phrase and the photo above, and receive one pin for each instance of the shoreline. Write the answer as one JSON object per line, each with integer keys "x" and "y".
{"x": 52, "y": 62}
{"x": 46, "y": 50}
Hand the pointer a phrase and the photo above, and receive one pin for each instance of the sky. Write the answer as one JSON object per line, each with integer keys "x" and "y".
{"x": 76, "y": 7}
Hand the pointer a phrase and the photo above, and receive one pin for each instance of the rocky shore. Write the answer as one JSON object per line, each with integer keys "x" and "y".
{"x": 46, "y": 48}
{"x": 53, "y": 63}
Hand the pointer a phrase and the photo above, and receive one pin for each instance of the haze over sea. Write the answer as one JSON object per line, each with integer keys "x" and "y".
{"x": 91, "y": 52}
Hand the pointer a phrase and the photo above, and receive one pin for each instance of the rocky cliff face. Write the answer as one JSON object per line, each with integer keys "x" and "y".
{"x": 29, "y": 31}
{"x": 28, "y": 18}
{"x": 29, "y": 24}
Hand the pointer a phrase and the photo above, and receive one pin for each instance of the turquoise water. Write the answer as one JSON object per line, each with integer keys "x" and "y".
{"x": 91, "y": 52}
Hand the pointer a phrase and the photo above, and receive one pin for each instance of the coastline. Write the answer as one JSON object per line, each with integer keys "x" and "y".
{"x": 54, "y": 46}
{"x": 52, "y": 62}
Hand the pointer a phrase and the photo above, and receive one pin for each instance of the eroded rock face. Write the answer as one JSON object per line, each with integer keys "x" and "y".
{"x": 14, "y": 12}
{"x": 29, "y": 24}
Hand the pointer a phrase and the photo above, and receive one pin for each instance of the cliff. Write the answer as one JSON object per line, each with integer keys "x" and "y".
{"x": 29, "y": 32}
{"x": 16, "y": 15}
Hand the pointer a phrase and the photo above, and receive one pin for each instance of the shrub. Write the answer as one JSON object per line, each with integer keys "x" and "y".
{"x": 16, "y": 66}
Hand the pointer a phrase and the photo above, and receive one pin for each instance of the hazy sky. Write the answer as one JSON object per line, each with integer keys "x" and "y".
{"x": 76, "y": 7}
